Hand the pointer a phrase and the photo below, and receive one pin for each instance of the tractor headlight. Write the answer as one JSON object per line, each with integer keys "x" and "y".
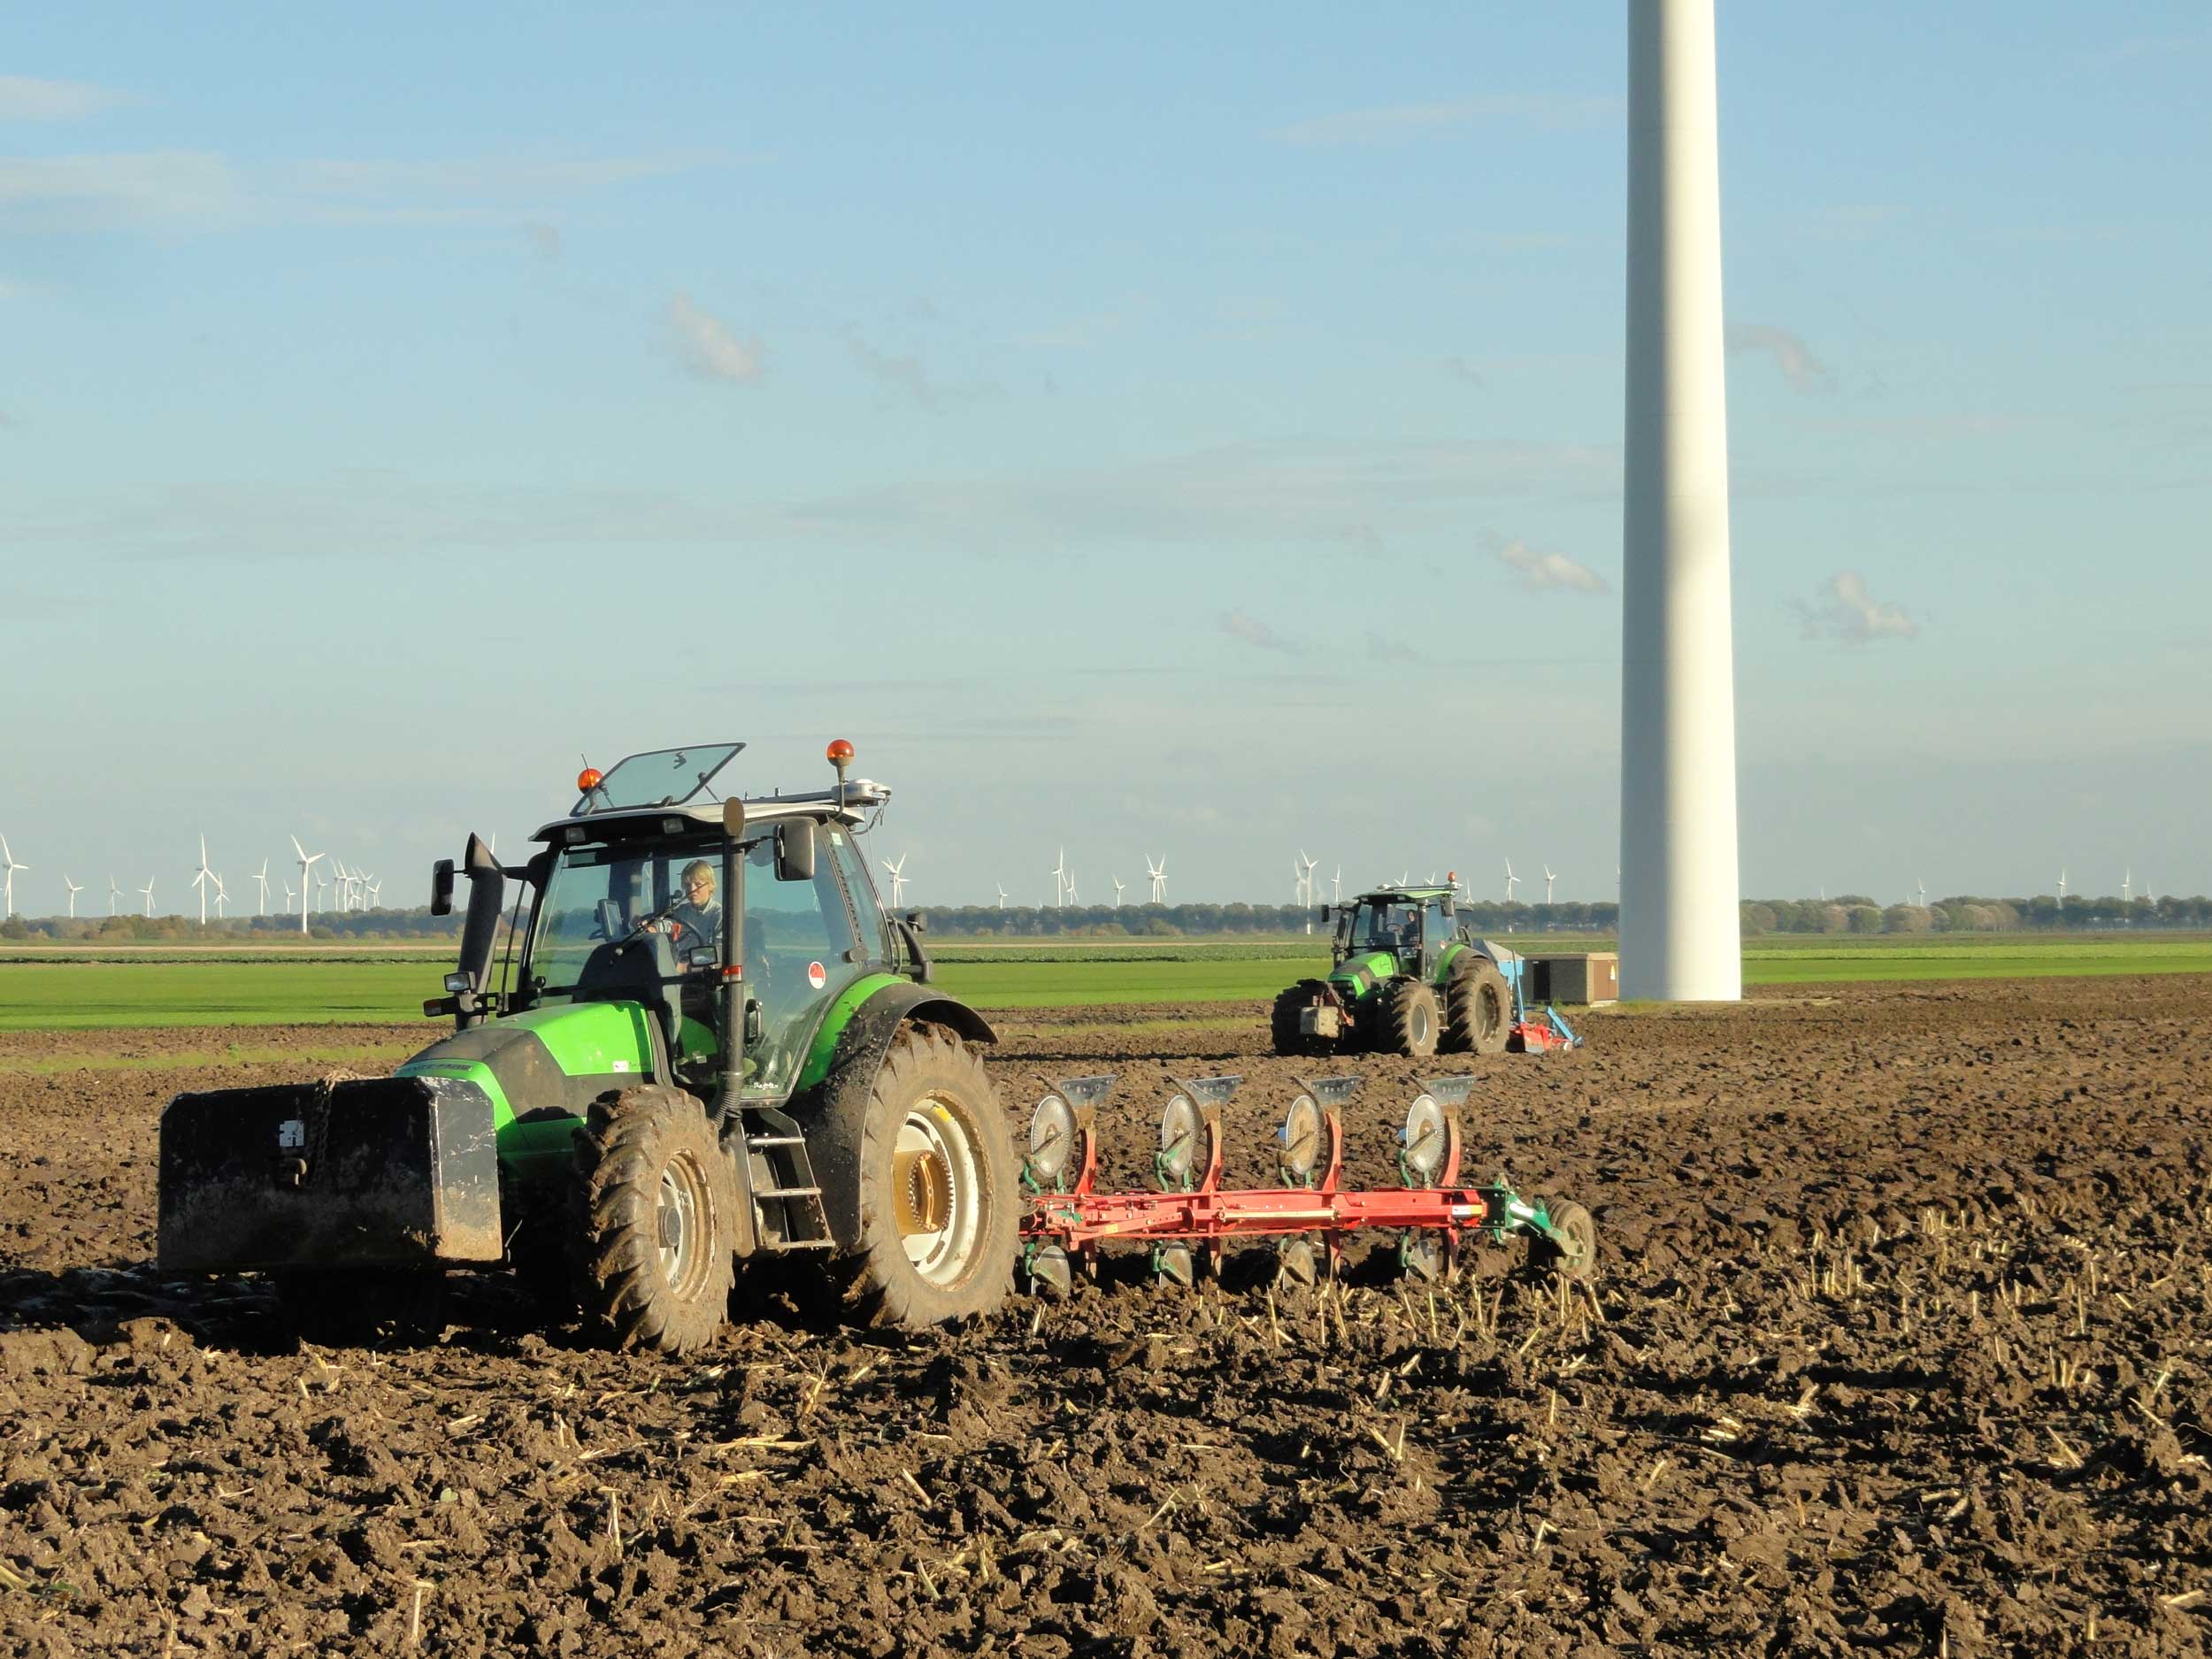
{"x": 457, "y": 983}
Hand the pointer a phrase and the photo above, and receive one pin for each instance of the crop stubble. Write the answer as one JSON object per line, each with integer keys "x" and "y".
{"x": 1901, "y": 1346}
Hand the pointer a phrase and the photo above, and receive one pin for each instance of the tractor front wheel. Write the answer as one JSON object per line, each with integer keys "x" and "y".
{"x": 940, "y": 1190}
{"x": 1410, "y": 1021}
{"x": 655, "y": 1220}
{"x": 1482, "y": 1010}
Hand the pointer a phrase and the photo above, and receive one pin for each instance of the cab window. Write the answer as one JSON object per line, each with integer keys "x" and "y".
{"x": 798, "y": 944}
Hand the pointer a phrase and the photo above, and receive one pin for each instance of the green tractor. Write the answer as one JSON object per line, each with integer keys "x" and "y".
{"x": 709, "y": 1042}
{"x": 1405, "y": 977}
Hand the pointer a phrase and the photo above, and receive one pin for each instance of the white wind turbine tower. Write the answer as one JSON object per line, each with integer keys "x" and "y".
{"x": 1511, "y": 881}
{"x": 1157, "y": 873}
{"x": 1072, "y": 896}
{"x": 73, "y": 890}
{"x": 308, "y": 861}
{"x": 376, "y": 891}
{"x": 263, "y": 880}
{"x": 1336, "y": 885}
{"x": 288, "y": 898}
{"x": 7, "y": 858}
{"x": 1002, "y": 894}
{"x": 1306, "y": 867}
{"x": 2127, "y": 879}
{"x": 1548, "y": 878}
{"x": 1117, "y": 886}
{"x": 1680, "y": 938}
{"x": 1060, "y": 879}
{"x": 897, "y": 872}
{"x": 149, "y": 891}
{"x": 2061, "y": 884}
{"x": 1921, "y": 890}
{"x": 200, "y": 880}
{"x": 115, "y": 894}
{"x": 222, "y": 895}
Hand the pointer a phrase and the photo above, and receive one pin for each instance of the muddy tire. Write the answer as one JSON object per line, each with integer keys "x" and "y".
{"x": 655, "y": 1222}
{"x": 940, "y": 1191}
{"x": 1481, "y": 1019}
{"x": 1411, "y": 1022}
{"x": 1283, "y": 1023}
{"x": 1573, "y": 1253}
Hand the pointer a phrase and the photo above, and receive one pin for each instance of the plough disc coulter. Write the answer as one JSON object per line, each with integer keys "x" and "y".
{"x": 1306, "y": 1217}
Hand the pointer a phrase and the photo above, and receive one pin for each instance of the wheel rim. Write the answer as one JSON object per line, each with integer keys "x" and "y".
{"x": 677, "y": 1226}
{"x": 1417, "y": 1024}
{"x": 938, "y": 1192}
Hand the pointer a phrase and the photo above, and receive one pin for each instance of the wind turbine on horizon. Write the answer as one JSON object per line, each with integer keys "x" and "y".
{"x": 263, "y": 880}
{"x": 1511, "y": 881}
{"x": 73, "y": 890}
{"x": 115, "y": 893}
{"x": 1117, "y": 886}
{"x": 1548, "y": 878}
{"x": 308, "y": 861}
{"x": 222, "y": 895}
{"x": 2127, "y": 879}
{"x": 149, "y": 891}
{"x": 897, "y": 872}
{"x": 1158, "y": 874}
{"x": 1060, "y": 879}
{"x": 7, "y": 859}
{"x": 200, "y": 880}
{"x": 2061, "y": 884}
{"x": 1001, "y": 894}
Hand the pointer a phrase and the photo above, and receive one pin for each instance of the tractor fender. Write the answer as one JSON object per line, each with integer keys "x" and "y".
{"x": 833, "y": 1112}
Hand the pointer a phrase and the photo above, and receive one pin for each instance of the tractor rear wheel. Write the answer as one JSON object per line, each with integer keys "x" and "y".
{"x": 656, "y": 1221}
{"x": 1284, "y": 1024}
{"x": 1410, "y": 1019}
{"x": 940, "y": 1190}
{"x": 1481, "y": 1010}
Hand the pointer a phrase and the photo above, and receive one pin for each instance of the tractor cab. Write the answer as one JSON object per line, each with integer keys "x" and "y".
{"x": 1414, "y": 925}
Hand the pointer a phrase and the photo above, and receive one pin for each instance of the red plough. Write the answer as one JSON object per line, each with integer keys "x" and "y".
{"x": 1190, "y": 1218}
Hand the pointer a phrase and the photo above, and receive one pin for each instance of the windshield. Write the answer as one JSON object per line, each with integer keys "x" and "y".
{"x": 1386, "y": 926}
{"x": 596, "y": 894}
{"x": 799, "y": 943}
{"x": 667, "y": 777}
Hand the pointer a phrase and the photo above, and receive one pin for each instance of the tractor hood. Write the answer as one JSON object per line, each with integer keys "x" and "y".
{"x": 550, "y": 1061}
{"x": 1362, "y": 971}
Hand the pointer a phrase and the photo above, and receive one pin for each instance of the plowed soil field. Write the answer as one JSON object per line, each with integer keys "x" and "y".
{"x": 1902, "y": 1345}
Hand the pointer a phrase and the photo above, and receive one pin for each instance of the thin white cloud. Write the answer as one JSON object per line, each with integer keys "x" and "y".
{"x": 27, "y": 98}
{"x": 202, "y": 190}
{"x": 1539, "y": 572}
{"x": 1241, "y": 625}
{"x": 98, "y": 192}
{"x": 1846, "y": 611}
{"x": 1404, "y": 122}
{"x": 709, "y": 349}
{"x": 901, "y": 374}
{"x": 1323, "y": 496}
{"x": 1799, "y": 367}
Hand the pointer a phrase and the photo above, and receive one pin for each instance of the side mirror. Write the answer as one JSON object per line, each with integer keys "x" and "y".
{"x": 441, "y": 888}
{"x": 917, "y": 920}
{"x": 795, "y": 850}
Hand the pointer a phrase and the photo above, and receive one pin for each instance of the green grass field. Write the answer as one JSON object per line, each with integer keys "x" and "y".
{"x": 53, "y": 990}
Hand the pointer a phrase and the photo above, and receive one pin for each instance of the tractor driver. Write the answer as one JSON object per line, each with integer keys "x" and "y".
{"x": 696, "y": 919}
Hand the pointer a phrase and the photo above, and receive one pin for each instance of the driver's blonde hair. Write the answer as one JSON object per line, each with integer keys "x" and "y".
{"x": 696, "y": 867}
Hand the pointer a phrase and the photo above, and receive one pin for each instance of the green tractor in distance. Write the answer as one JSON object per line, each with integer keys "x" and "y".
{"x": 1405, "y": 977}
{"x": 710, "y": 1042}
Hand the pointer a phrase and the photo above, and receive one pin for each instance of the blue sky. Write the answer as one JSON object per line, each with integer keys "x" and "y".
{"x": 1159, "y": 433}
